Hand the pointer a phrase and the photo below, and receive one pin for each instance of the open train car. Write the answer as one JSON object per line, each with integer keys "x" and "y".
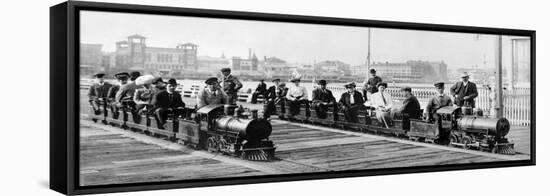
{"x": 453, "y": 126}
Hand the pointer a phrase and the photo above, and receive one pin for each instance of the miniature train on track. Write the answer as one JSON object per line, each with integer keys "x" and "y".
{"x": 453, "y": 126}
{"x": 222, "y": 129}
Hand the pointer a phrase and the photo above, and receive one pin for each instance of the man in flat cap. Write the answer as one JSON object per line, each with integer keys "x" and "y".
{"x": 97, "y": 93}
{"x": 322, "y": 100}
{"x": 275, "y": 95}
{"x": 260, "y": 90}
{"x": 371, "y": 86}
{"x": 168, "y": 102}
{"x": 464, "y": 92}
{"x": 439, "y": 101}
{"x": 383, "y": 102}
{"x": 410, "y": 108}
{"x": 122, "y": 79}
{"x": 296, "y": 96}
{"x": 231, "y": 86}
{"x": 350, "y": 102}
{"x": 125, "y": 96}
{"x": 211, "y": 94}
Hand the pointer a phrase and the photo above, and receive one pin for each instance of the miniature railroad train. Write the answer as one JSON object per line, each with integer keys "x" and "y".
{"x": 216, "y": 128}
{"x": 454, "y": 126}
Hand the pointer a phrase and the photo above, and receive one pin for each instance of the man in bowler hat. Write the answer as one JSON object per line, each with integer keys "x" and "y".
{"x": 168, "y": 102}
{"x": 97, "y": 93}
{"x": 350, "y": 102}
{"x": 322, "y": 100}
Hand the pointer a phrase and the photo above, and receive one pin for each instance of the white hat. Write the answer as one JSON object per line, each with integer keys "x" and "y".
{"x": 146, "y": 79}
{"x": 465, "y": 74}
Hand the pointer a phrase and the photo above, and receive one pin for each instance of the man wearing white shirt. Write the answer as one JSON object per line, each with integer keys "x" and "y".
{"x": 296, "y": 96}
{"x": 383, "y": 103}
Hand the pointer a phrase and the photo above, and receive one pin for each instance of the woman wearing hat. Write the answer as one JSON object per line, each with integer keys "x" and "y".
{"x": 383, "y": 102}
{"x": 296, "y": 96}
{"x": 351, "y": 101}
{"x": 211, "y": 94}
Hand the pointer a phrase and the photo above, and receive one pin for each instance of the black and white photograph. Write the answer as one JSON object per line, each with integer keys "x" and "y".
{"x": 171, "y": 98}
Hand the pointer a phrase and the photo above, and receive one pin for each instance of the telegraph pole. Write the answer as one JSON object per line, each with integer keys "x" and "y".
{"x": 498, "y": 84}
{"x": 368, "y": 57}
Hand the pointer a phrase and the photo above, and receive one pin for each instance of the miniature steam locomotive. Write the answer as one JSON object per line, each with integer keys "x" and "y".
{"x": 454, "y": 126}
{"x": 217, "y": 128}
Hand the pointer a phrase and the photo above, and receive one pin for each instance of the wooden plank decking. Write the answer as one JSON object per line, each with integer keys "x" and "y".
{"x": 111, "y": 156}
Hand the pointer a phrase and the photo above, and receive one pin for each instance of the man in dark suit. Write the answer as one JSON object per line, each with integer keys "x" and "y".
{"x": 167, "y": 102}
{"x": 410, "y": 108}
{"x": 260, "y": 90}
{"x": 350, "y": 102}
{"x": 97, "y": 93}
{"x": 464, "y": 92}
{"x": 275, "y": 95}
{"x": 322, "y": 100}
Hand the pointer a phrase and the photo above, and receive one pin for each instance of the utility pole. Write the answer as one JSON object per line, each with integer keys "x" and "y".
{"x": 498, "y": 84}
{"x": 368, "y": 57}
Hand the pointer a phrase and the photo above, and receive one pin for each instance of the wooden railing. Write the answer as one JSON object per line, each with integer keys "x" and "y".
{"x": 517, "y": 102}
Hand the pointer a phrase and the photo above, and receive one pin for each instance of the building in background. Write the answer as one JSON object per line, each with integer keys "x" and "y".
{"x": 91, "y": 59}
{"x": 410, "y": 71}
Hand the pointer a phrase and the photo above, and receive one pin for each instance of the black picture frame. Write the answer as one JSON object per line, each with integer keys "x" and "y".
{"x": 64, "y": 78}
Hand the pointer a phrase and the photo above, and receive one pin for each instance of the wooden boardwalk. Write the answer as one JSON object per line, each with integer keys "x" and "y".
{"x": 112, "y": 156}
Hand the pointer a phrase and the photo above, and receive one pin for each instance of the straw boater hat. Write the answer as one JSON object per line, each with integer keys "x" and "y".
{"x": 146, "y": 79}
{"x": 465, "y": 74}
{"x": 350, "y": 85}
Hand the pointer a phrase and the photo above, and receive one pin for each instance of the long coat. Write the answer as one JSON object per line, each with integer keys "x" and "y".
{"x": 411, "y": 107}
{"x": 462, "y": 91}
{"x": 272, "y": 93}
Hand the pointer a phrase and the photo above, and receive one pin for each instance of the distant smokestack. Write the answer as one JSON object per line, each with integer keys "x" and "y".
{"x": 250, "y": 53}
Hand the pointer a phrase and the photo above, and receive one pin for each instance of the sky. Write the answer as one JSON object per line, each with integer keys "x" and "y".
{"x": 293, "y": 42}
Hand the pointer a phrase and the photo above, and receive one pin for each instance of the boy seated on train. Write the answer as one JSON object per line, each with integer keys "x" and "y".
{"x": 350, "y": 102}
{"x": 382, "y": 101}
{"x": 296, "y": 96}
{"x": 97, "y": 93}
{"x": 168, "y": 102}
{"x": 211, "y": 94}
{"x": 439, "y": 101}
{"x": 122, "y": 79}
{"x": 410, "y": 108}
{"x": 322, "y": 100}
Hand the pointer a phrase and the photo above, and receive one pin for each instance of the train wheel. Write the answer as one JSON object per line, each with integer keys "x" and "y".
{"x": 466, "y": 140}
{"x": 453, "y": 139}
{"x": 222, "y": 145}
{"x": 211, "y": 145}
